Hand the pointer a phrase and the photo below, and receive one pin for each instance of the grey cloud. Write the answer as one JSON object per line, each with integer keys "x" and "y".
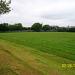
{"x": 57, "y": 16}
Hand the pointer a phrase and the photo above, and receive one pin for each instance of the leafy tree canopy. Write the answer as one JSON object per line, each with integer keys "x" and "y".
{"x": 46, "y": 28}
{"x": 4, "y": 6}
{"x": 36, "y": 27}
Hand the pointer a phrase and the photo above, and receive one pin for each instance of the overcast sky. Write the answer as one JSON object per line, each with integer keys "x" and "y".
{"x": 53, "y": 12}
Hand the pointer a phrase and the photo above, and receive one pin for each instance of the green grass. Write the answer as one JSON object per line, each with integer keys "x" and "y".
{"x": 37, "y": 53}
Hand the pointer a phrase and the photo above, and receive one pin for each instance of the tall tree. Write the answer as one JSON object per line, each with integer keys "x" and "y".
{"x": 36, "y": 27}
{"x": 4, "y": 27}
{"x": 46, "y": 28}
{"x": 4, "y": 6}
{"x": 18, "y": 26}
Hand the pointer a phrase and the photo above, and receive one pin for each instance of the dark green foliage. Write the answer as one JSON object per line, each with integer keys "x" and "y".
{"x": 62, "y": 29}
{"x": 4, "y": 7}
{"x": 4, "y": 27}
{"x": 15, "y": 27}
{"x": 18, "y": 26}
{"x": 46, "y": 28}
{"x": 54, "y": 28}
{"x": 36, "y": 27}
{"x": 72, "y": 29}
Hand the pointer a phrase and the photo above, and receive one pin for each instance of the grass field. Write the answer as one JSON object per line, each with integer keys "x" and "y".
{"x": 37, "y": 53}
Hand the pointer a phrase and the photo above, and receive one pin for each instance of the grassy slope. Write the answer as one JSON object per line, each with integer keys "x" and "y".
{"x": 60, "y": 44}
{"x": 31, "y": 61}
{"x": 11, "y": 62}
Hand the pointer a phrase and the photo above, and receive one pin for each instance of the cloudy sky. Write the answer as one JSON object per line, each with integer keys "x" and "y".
{"x": 53, "y": 12}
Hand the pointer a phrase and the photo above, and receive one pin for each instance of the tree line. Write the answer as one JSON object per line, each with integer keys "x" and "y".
{"x": 36, "y": 27}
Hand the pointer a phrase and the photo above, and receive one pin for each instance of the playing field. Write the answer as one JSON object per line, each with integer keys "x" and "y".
{"x": 37, "y": 53}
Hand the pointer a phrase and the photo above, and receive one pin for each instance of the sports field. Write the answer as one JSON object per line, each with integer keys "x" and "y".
{"x": 37, "y": 53}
